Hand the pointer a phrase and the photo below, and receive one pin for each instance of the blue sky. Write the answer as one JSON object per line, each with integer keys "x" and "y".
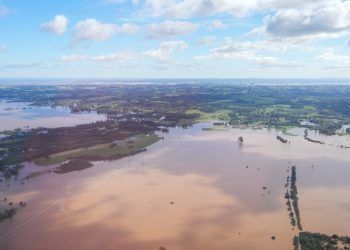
{"x": 175, "y": 38}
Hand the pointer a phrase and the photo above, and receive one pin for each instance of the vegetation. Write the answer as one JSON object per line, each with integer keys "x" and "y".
{"x": 73, "y": 165}
{"x": 317, "y": 241}
{"x": 143, "y": 109}
{"x": 114, "y": 150}
{"x": 326, "y": 106}
{"x": 292, "y": 199}
{"x": 48, "y": 146}
{"x": 306, "y": 137}
{"x": 296, "y": 243}
{"x": 281, "y": 139}
{"x": 8, "y": 213}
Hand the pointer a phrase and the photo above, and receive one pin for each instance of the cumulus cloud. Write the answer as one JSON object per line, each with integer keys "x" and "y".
{"x": 218, "y": 24}
{"x": 164, "y": 59}
{"x": 127, "y": 28}
{"x": 118, "y": 57}
{"x": 57, "y": 26}
{"x": 319, "y": 20}
{"x": 171, "y": 28}
{"x": 165, "y": 50}
{"x": 206, "y": 40}
{"x": 299, "y": 20}
{"x": 91, "y": 29}
{"x": 245, "y": 52}
{"x": 336, "y": 61}
{"x": 324, "y": 19}
{"x": 183, "y": 9}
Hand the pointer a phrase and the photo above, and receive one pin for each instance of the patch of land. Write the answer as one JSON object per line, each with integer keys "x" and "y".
{"x": 317, "y": 241}
{"x": 73, "y": 165}
{"x": 106, "y": 151}
{"x": 145, "y": 108}
{"x": 324, "y": 107}
{"x": 96, "y": 141}
{"x": 292, "y": 199}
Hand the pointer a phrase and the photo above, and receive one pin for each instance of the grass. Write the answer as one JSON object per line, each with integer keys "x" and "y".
{"x": 204, "y": 116}
{"x": 122, "y": 148}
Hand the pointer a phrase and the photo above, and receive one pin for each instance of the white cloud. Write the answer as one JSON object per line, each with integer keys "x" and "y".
{"x": 336, "y": 60}
{"x": 91, "y": 29}
{"x": 206, "y": 40}
{"x": 320, "y": 20}
{"x": 118, "y": 57}
{"x": 246, "y": 52}
{"x": 3, "y": 47}
{"x": 57, "y": 26}
{"x": 184, "y": 9}
{"x": 323, "y": 19}
{"x": 171, "y": 28}
{"x": 189, "y": 8}
{"x": 298, "y": 20}
{"x": 218, "y": 24}
{"x": 127, "y": 28}
{"x": 74, "y": 58}
{"x": 165, "y": 50}
{"x": 164, "y": 58}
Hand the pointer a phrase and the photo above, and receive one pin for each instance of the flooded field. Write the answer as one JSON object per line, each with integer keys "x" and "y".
{"x": 193, "y": 190}
{"x": 21, "y": 115}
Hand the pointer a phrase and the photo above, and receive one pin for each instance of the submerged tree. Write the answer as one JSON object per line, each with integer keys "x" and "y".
{"x": 240, "y": 140}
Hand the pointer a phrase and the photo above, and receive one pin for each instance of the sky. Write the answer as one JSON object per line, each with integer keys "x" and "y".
{"x": 174, "y": 38}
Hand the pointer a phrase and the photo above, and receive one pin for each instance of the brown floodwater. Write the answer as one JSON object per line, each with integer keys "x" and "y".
{"x": 193, "y": 190}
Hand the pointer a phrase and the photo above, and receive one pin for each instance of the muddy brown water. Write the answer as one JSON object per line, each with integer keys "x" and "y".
{"x": 192, "y": 190}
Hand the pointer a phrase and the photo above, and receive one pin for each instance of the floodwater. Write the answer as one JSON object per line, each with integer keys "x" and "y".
{"x": 193, "y": 190}
{"x": 21, "y": 115}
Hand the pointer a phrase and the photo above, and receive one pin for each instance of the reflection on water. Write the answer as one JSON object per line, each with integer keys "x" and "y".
{"x": 194, "y": 190}
{"x": 20, "y": 115}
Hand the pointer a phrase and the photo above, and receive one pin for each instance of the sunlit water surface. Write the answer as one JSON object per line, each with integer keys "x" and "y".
{"x": 192, "y": 190}
{"x": 21, "y": 115}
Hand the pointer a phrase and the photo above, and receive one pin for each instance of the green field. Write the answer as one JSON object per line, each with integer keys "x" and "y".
{"x": 206, "y": 116}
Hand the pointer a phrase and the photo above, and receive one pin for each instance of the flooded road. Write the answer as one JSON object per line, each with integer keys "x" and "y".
{"x": 193, "y": 190}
